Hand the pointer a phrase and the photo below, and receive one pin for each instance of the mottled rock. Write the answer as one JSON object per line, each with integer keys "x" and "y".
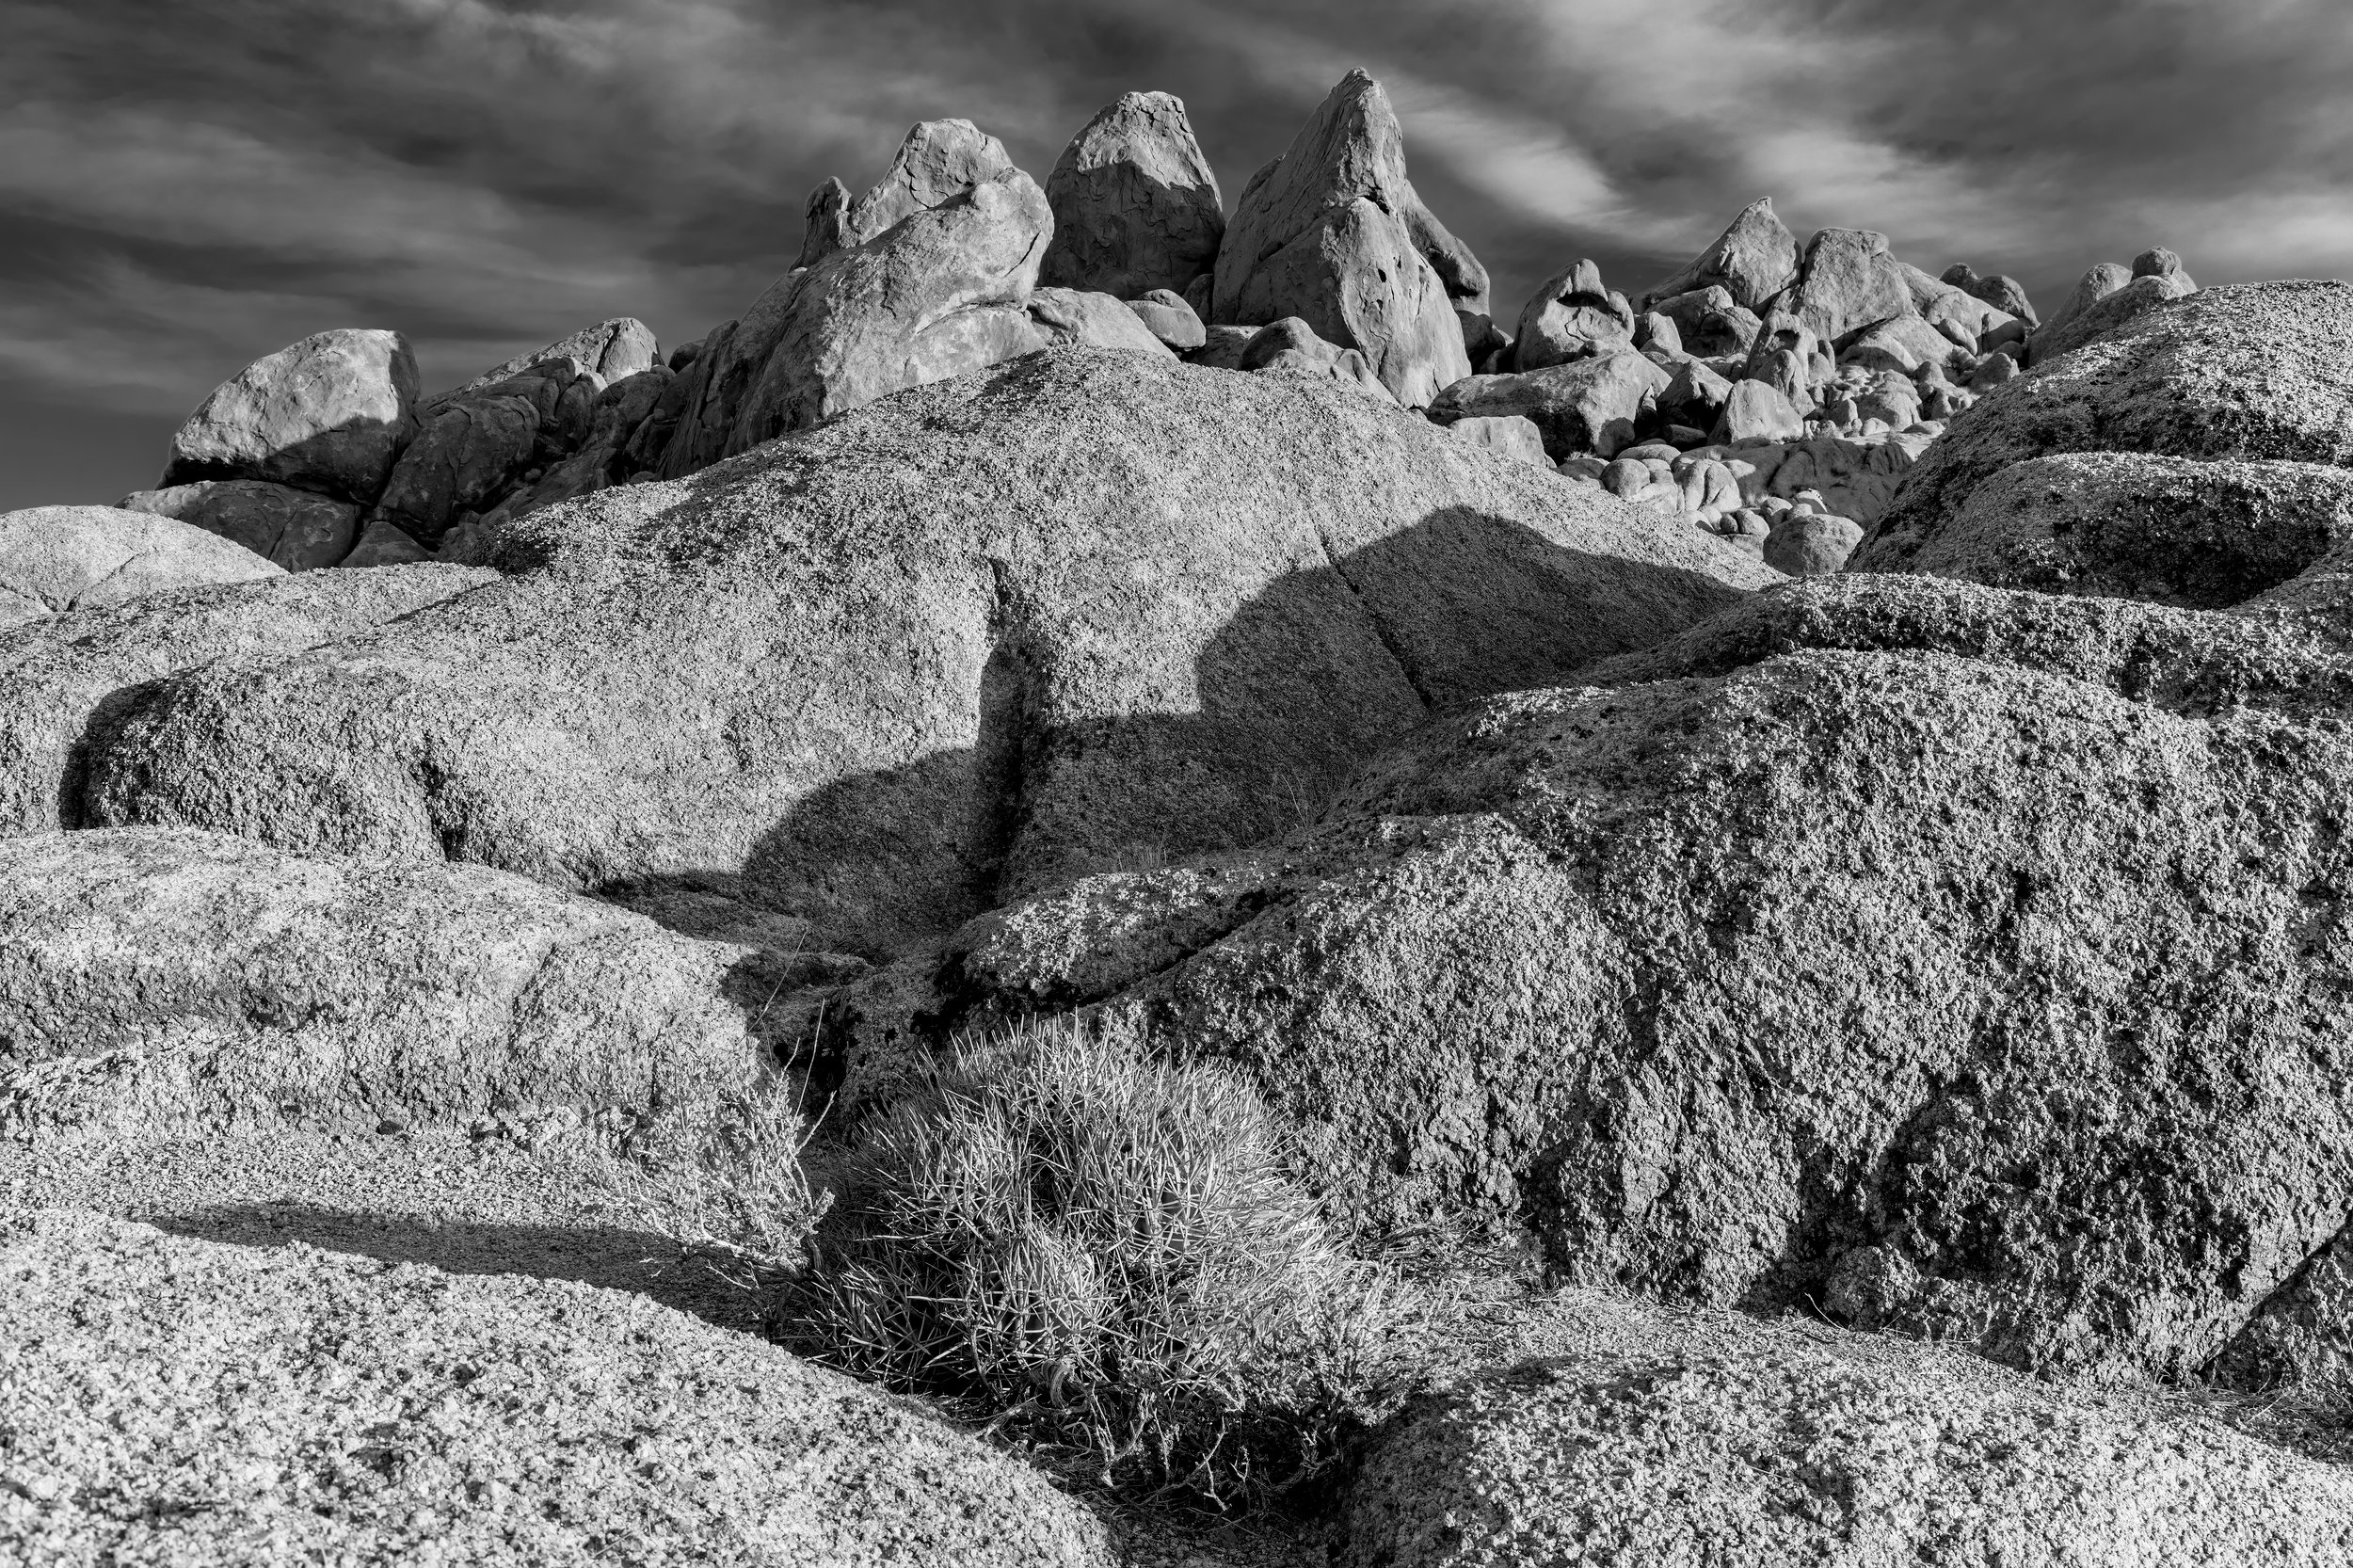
{"x": 1136, "y": 207}
{"x": 1081, "y": 607}
{"x": 54, "y": 559}
{"x": 936, "y": 161}
{"x": 1811, "y": 544}
{"x": 1290, "y": 346}
{"x": 478, "y": 446}
{"x": 824, "y": 228}
{"x": 1098, "y": 320}
{"x": 1755, "y": 410}
{"x": 2104, "y": 314}
{"x": 2161, "y": 263}
{"x": 1167, "y": 317}
{"x": 2095, "y": 285}
{"x": 64, "y": 678}
{"x": 245, "y": 980}
{"x": 457, "y": 1418}
{"x": 1332, "y": 232}
{"x": 1694, "y": 394}
{"x": 1510, "y": 437}
{"x": 1708, "y": 323}
{"x": 330, "y": 413}
{"x": 1572, "y": 316}
{"x": 1584, "y": 406}
{"x": 384, "y": 543}
{"x": 1752, "y": 261}
{"x": 2247, "y": 371}
{"x": 295, "y": 529}
{"x": 1700, "y": 1438}
{"x": 608, "y": 351}
{"x": 942, "y": 293}
{"x": 1847, "y": 285}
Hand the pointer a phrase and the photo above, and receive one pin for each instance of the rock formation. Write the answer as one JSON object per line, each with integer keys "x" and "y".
{"x": 57, "y": 559}
{"x": 330, "y": 414}
{"x": 1136, "y": 207}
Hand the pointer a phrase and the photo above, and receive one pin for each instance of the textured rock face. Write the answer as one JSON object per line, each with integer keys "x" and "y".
{"x": 2105, "y": 314}
{"x": 1136, "y": 207}
{"x": 938, "y": 161}
{"x": 936, "y": 650}
{"x": 1573, "y": 316}
{"x": 330, "y": 413}
{"x": 291, "y": 528}
{"x": 1168, "y": 318}
{"x": 1752, "y": 260}
{"x": 54, "y": 559}
{"x": 1332, "y": 232}
{"x": 1848, "y": 284}
{"x": 1290, "y": 347}
{"x": 1586, "y": 405}
{"x": 2048, "y": 1069}
{"x": 246, "y": 982}
{"x": 63, "y": 677}
{"x": 2247, "y": 371}
{"x": 507, "y": 1419}
{"x": 1510, "y": 437}
{"x": 942, "y": 291}
{"x": 1098, "y": 320}
{"x": 610, "y": 350}
{"x": 2203, "y": 536}
{"x": 2094, "y": 286}
{"x": 477, "y": 446}
{"x": 1714, "y": 1443}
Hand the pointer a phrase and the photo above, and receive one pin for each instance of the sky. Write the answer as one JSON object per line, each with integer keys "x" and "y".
{"x": 189, "y": 184}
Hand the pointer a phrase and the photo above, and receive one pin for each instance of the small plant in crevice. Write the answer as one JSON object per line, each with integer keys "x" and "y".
{"x": 1111, "y": 1251}
{"x": 728, "y": 1184}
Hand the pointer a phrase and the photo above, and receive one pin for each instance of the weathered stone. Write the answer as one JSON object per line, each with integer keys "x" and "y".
{"x": 943, "y": 292}
{"x": 1848, "y": 284}
{"x": 1694, "y": 394}
{"x": 629, "y": 424}
{"x": 1754, "y": 410}
{"x": 1078, "y": 607}
{"x": 1098, "y": 320}
{"x": 1509, "y": 437}
{"x": 1136, "y": 207}
{"x": 2096, "y": 285}
{"x": 1708, "y": 323}
{"x": 1653, "y": 1437}
{"x": 54, "y": 559}
{"x": 1752, "y": 261}
{"x": 330, "y": 413}
{"x": 1811, "y": 544}
{"x": 477, "y": 446}
{"x": 1655, "y": 335}
{"x": 1907, "y": 343}
{"x": 384, "y": 543}
{"x": 1584, "y": 406}
{"x": 938, "y": 161}
{"x": 247, "y": 980}
{"x": 2248, "y": 370}
{"x": 1332, "y": 232}
{"x": 2161, "y": 263}
{"x": 295, "y": 529}
{"x": 1844, "y": 1058}
{"x": 608, "y": 351}
{"x": 64, "y": 678}
{"x": 1222, "y": 347}
{"x": 1290, "y": 346}
{"x": 1167, "y": 317}
{"x": 824, "y": 228}
{"x": 2104, "y": 314}
{"x": 2201, "y": 534}
{"x": 1572, "y": 316}
{"x": 563, "y": 1420}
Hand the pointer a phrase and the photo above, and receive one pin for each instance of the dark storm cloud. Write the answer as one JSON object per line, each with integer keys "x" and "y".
{"x": 185, "y": 188}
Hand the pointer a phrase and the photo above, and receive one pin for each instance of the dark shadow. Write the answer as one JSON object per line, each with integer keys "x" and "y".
{"x": 618, "y": 1259}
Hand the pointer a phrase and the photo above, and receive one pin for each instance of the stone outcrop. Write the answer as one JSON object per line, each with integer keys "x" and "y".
{"x": 1844, "y": 1060}
{"x": 1168, "y": 318}
{"x": 55, "y": 559}
{"x": 64, "y": 676}
{"x": 1596, "y": 405}
{"x": 208, "y": 976}
{"x": 1752, "y": 261}
{"x": 330, "y": 414}
{"x": 1087, "y": 606}
{"x": 1332, "y": 232}
{"x": 478, "y": 447}
{"x": 942, "y": 291}
{"x": 2105, "y": 314}
{"x": 938, "y": 161}
{"x": 2243, "y": 371}
{"x": 473, "y": 1419}
{"x": 1847, "y": 285}
{"x": 1573, "y": 316}
{"x": 1702, "y": 1438}
{"x": 1290, "y": 347}
{"x": 1136, "y": 207}
{"x": 295, "y": 529}
{"x": 1098, "y": 320}
{"x": 610, "y": 351}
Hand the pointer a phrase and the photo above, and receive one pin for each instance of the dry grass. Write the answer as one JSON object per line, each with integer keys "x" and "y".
{"x": 731, "y": 1189}
{"x": 1112, "y": 1251}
